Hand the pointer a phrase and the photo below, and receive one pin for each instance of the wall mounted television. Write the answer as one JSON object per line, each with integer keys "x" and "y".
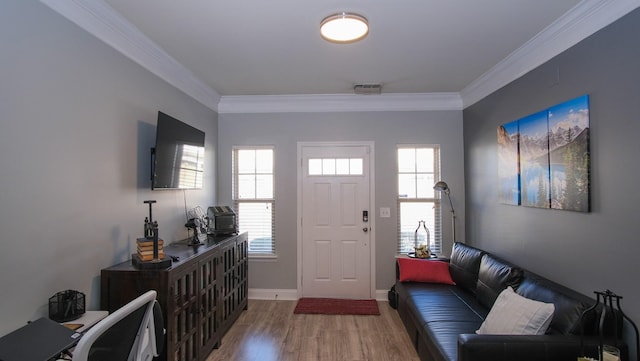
{"x": 177, "y": 161}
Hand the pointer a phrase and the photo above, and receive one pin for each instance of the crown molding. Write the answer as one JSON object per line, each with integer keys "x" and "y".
{"x": 339, "y": 103}
{"x": 577, "y": 24}
{"x": 99, "y": 19}
{"x": 102, "y": 21}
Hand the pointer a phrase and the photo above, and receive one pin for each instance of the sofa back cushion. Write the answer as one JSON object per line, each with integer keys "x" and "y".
{"x": 464, "y": 265}
{"x": 569, "y": 304}
{"x": 493, "y": 277}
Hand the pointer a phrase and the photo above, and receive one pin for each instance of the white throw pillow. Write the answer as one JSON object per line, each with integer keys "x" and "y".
{"x": 513, "y": 314}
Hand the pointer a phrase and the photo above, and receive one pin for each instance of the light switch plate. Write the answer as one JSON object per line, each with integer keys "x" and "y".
{"x": 385, "y": 212}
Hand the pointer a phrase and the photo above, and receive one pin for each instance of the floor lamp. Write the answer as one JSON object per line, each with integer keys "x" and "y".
{"x": 443, "y": 187}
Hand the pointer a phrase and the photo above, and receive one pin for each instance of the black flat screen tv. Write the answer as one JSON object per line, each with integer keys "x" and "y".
{"x": 178, "y": 158}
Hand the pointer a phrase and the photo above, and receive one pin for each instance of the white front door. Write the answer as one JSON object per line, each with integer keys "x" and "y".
{"x": 336, "y": 221}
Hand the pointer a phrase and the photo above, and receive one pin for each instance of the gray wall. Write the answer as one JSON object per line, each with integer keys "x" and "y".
{"x": 586, "y": 251}
{"x": 385, "y": 129}
{"x": 77, "y": 120}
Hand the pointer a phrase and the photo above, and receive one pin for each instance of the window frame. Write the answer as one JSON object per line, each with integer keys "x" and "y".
{"x": 237, "y": 200}
{"x": 436, "y": 199}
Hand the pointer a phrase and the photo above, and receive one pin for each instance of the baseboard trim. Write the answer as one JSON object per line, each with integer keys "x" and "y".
{"x": 273, "y": 294}
{"x": 292, "y": 294}
{"x": 382, "y": 295}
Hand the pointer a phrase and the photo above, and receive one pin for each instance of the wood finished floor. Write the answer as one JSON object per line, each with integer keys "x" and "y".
{"x": 269, "y": 331}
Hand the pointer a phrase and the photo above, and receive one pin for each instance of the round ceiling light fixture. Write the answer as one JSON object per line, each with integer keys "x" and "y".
{"x": 344, "y": 28}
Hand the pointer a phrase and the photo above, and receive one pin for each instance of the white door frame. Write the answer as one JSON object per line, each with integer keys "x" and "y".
{"x": 372, "y": 207}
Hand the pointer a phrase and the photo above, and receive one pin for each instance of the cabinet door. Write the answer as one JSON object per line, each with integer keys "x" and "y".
{"x": 209, "y": 318}
{"x": 182, "y": 323}
{"x": 242, "y": 272}
{"x": 228, "y": 263}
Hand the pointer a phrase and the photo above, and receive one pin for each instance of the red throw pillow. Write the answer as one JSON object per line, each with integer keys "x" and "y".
{"x": 418, "y": 270}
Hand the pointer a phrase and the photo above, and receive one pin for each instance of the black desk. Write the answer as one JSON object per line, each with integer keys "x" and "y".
{"x": 40, "y": 340}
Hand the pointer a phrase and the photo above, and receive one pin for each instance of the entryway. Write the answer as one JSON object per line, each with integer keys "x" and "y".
{"x": 335, "y": 236}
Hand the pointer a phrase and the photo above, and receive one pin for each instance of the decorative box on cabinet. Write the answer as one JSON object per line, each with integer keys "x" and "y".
{"x": 201, "y": 294}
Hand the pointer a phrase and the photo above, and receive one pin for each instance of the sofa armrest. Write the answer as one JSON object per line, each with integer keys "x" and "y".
{"x": 473, "y": 347}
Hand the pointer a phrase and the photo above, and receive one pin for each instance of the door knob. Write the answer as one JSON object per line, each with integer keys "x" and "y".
{"x": 365, "y": 229}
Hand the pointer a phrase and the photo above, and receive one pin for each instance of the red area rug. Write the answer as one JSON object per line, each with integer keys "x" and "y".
{"x": 333, "y": 306}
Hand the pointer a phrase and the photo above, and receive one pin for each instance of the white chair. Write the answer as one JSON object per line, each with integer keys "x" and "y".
{"x": 135, "y": 332}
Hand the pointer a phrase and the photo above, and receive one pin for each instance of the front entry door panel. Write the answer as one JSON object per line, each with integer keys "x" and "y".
{"x": 335, "y": 238}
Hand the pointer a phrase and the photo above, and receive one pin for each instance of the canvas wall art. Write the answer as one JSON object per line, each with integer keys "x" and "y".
{"x": 509, "y": 166}
{"x": 569, "y": 155}
{"x": 534, "y": 160}
{"x": 544, "y": 158}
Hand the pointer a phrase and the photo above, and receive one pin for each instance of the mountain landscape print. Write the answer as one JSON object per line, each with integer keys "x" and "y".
{"x": 508, "y": 164}
{"x": 534, "y": 160}
{"x": 544, "y": 160}
{"x": 569, "y": 156}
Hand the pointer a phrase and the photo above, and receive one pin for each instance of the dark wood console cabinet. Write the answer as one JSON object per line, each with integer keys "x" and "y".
{"x": 201, "y": 294}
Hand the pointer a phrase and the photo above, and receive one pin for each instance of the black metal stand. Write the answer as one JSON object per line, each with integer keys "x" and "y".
{"x": 617, "y": 316}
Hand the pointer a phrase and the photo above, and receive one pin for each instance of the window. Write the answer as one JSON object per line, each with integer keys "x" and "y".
{"x": 418, "y": 170}
{"x": 336, "y": 166}
{"x": 253, "y": 196}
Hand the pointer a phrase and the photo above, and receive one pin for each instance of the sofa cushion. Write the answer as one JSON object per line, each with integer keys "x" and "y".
{"x": 464, "y": 264}
{"x": 442, "y": 303}
{"x": 418, "y": 270}
{"x": 513, "y": 314}
{"x": 569, "y": 304}
{"x": 494, "y": 276}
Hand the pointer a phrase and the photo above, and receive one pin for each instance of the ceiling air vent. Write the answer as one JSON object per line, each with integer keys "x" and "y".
{"x": 367, "y": 89}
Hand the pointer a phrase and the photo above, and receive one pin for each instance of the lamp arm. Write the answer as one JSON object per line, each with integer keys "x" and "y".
{"x": 450, "y": 203}
{"x": 453, "y": 219}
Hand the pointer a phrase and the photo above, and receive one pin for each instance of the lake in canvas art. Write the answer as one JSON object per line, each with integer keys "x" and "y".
{"x": 508, "y": 164}
{"x": 534, "y": 160}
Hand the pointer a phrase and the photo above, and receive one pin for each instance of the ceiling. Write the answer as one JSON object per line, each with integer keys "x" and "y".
{"x": 248, "y": 48}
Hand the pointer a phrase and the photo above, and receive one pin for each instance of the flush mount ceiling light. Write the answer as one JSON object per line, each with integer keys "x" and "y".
{"x": 344, "y": 28}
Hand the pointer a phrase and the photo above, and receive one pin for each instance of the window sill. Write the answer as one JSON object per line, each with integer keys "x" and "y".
{"x": 263, "y": 257}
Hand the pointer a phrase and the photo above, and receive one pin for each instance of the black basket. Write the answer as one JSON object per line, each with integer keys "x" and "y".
{"x": 66, "y": 306}
{"x": 393, "y": 297}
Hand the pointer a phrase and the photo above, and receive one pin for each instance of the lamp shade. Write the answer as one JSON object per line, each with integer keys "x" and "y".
{"x": 441, "y": 186}
{"x": 344, "y": 28}
{"x": 444, "y": 188}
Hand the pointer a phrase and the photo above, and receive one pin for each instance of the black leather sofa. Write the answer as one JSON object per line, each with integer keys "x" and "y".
{"x": 442, "y": 319}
